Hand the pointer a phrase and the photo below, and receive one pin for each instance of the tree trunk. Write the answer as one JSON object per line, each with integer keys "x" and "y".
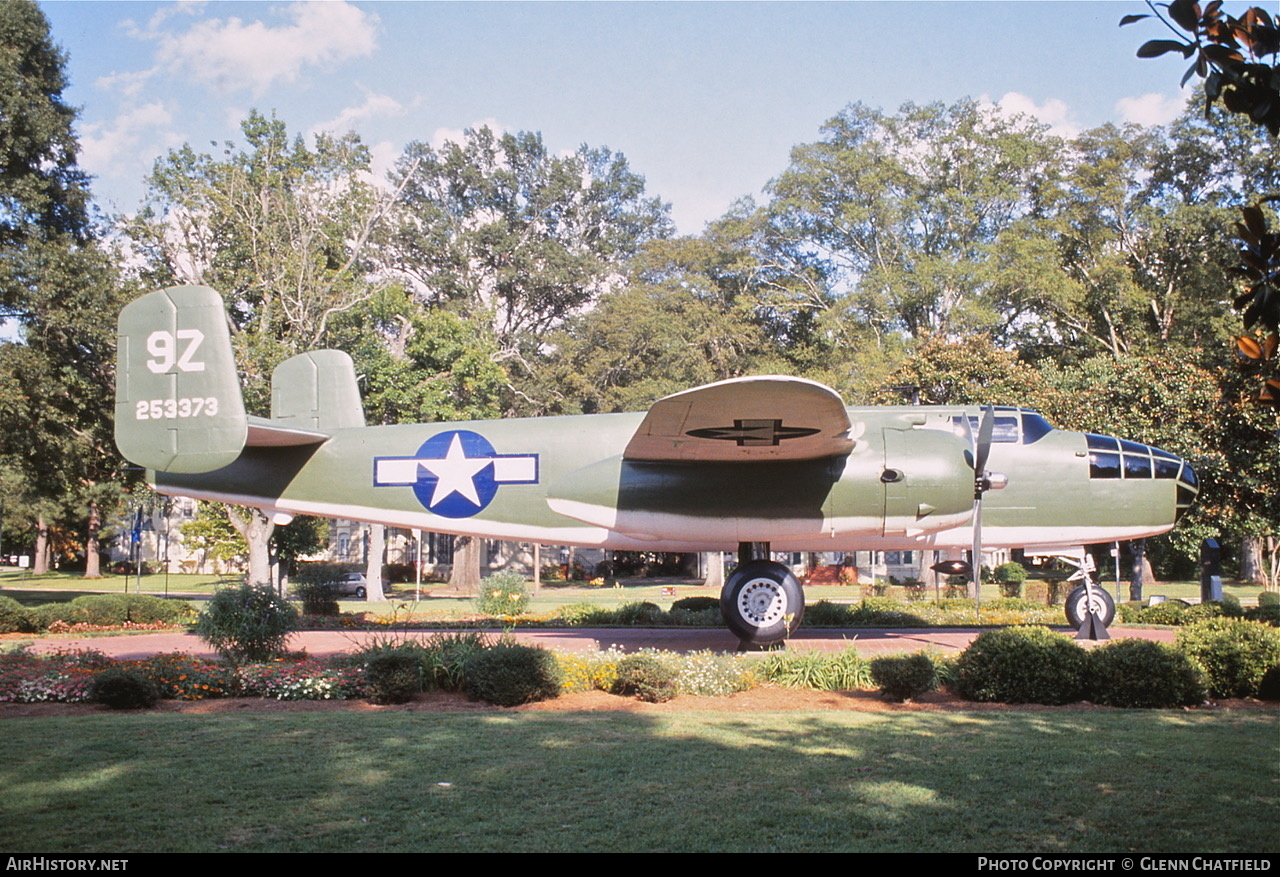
{"x": 373, "y": 566}
{"x": 92, "y": 561}
{"x": 1141, "y": 570}
{"x": 256, "y": 529}
{"x": 40, "y": 563}
{"x": 713, "y": 562}
{"x": 465, "y": 576}
{"x": 1252, "y": 568}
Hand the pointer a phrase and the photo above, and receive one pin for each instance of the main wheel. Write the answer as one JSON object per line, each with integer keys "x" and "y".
{"x": 1103, "y": 606}
{"x": 762, "y": 602}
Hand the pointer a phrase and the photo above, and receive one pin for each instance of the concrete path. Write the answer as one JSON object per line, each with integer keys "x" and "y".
{"x": 867, "y": 641}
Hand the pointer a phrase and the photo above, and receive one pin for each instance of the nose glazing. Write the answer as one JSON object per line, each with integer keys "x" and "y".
{"x": 1117, "y": 458}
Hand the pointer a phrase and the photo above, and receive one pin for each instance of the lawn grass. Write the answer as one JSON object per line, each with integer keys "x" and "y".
{"x": 1077, "y": 781}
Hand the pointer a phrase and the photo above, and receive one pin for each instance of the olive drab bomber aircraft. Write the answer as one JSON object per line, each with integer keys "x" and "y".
{"x": 754, "y": 464}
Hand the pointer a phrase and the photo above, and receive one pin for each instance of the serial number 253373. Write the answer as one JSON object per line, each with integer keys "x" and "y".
{"x": 164, "y": 409}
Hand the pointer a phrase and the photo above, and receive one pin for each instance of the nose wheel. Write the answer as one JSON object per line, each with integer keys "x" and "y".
{"x": 762, "y": 602}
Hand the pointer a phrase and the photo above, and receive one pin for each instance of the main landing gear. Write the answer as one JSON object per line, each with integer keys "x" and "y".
{"x": 762, "y": 601}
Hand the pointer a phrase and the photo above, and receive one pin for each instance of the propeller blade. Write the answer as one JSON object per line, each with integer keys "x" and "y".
{"x": 983, "y": 448}
{"x": 976, "y": 558}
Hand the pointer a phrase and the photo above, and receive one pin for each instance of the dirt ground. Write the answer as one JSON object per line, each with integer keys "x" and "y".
{"x": 761, "y": 699}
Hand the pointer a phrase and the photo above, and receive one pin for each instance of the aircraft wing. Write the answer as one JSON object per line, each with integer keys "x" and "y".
{"x": 743, "y": 419}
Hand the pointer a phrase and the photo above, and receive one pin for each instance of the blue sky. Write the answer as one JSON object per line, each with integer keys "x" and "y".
{"x": 704, "y": 99}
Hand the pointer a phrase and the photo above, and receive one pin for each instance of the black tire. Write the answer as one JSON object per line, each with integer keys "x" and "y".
{"x": 361, "y": 593}
{"x": 758, "y": 601}
{"x": 1103, "y": 606}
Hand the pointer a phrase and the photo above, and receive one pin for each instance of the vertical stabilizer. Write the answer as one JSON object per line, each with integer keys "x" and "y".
{"x": 178, "y": 401}
{"x": 316, "y": 390}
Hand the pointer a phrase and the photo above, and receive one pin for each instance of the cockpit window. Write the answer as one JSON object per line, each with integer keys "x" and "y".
{"x": 1034, "y": 427}
{"x": 1007, "y": 429}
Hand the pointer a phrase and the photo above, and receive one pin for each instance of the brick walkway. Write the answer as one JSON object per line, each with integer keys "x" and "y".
{"x": 868, "y": 641}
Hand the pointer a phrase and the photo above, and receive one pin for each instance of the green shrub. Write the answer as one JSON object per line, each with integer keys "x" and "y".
{"x": 16, "y": 618}
{"x": 47, "y": 614}
{"x": 1269, "y": 687}
{"x": 114, "y": 610}
{"x": 247, "y": 623}
{"x": 696, "y": 604}
{"x": 1010, "y": 577}
{"x": 585, "y": 615}
{"x": 840, "y": 671}
{"x": 123, "y": 689}
{"x": 881, "y": 612}
{"x": 1267, "y": 614}
{"x": 1227, "y": 608}
{"x": 1141, "y": 673}
{"x": 318, "y": 598}
{"x": 1168, "y": 612}
{"x": 640, "y": 614}
{"x": 824, "y": 613}
{"x": 1269, "y": 598}
{"x": 1022, "y": 665}
{"x": 1234, "y": 653}
{"x": 509, "y": 675}
{"x": 393, "y": 677}
{"x": 503, "y": 594}
{"x": 646, "y": 678}
{"x": 904, "y": 677}
{"x": 696, "y": 618}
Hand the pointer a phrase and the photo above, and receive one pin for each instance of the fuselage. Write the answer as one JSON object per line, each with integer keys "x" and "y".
{"x": 907, "y": 483}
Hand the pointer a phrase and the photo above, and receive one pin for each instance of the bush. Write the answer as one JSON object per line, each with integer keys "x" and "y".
{"x": 393, "y": 677}
{"x": 640, "y": 614}
{"x": 15, "y": 618}
{"x": 1010, "y": 577}
{"x": 1268, "y": 613}
{"x": 1022, "y": 665}
{"x": 123, "y": 689}
{"x": 184, "y": 677}
{"x": 119, "y": 609}
{"x": 646, "y": 678}
{"x": 696, "y": 604}
{"x": 904, "y": 677}
{"x": 1269, "y": 687}
{"x": 509, "y": 675}
{"x": 824, "y": 613}
{"x": 1233, "y": 653}
{"x": 247, "y": 623}
{"x": 503, "y": 594}
{"x": 1141, "y": 673}
{"x": 585, "y": 615}
{"x": 318, "y": 598}
{"x": 1269, "y": 598}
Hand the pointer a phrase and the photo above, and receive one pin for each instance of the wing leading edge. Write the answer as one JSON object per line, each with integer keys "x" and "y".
{"x": 762, "y": 418}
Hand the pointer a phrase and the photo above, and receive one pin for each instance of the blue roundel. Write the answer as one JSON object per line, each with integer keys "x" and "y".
{"x": 456, "y": 474}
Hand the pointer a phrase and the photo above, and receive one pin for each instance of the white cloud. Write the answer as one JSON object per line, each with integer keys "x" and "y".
{"x": 1053, "y": 112}
{"x": 441, "y": 136}
{"x": 231, "y": 54}
{"x": 128, "y": 84}
{"x": 374, "y": 106}
{"x": 104, "y": 148}
{"x": 1150, "y": 109}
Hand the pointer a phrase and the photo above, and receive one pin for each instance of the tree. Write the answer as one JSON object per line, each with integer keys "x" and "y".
{"x": 55, "y": 281}
{"x": 282, "y": 229}
{"x": 529, "y": 238}
{"x": 903, "y": 212}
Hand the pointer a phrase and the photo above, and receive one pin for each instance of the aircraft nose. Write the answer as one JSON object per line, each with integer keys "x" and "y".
{"x": 1117, "y": 458}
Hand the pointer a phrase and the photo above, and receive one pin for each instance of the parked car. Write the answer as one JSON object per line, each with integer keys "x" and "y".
{"x": 353, "y": 583}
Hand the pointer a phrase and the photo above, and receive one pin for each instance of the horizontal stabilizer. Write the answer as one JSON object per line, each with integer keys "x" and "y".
{"x": 316, "y": 391}
{"x": 743, "y": 419}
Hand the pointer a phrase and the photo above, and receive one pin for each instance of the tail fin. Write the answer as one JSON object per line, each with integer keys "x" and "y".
{"x": 178, "y": 401}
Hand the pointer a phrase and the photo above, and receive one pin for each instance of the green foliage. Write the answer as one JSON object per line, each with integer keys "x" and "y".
{"x": 1266, "y": 613}
{"x": 314, "y": 583}
{"x": 118, "y": 609}
{"x": 1269, "y": 598}
{"x": 1269, "y": 687}
{"x": 503, "y": 594}
{"x": 509, "y": 675}
{"x": 697, "y": 604}
{"x": 841, "y": 671}
{"x": 585, "y": 614}
{"x": 393, "y": 677}
{"x": 15, "y": 618}
{"x": 1010, "y": 576}
{"x": 123, "y": 689}
{"x": 640, "y": 614}
{"x": 824, "y": 613}
{"x": 1145, "y": 674}
{"x": 904, "y": 677}
{"x": 645, "y": 677}
{"x": 1233, "y": 653}
{"x": 247, "y": 623}
{"x": 1022, "y": 665}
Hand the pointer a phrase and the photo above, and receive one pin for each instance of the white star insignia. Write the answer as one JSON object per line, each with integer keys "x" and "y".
{"x": 455, "y": 473}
